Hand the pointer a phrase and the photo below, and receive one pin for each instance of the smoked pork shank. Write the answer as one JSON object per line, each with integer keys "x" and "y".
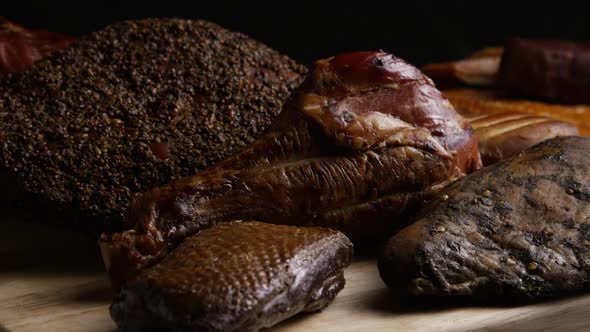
{"x": 358, "y": 147}
{"x": 516, "y": 230}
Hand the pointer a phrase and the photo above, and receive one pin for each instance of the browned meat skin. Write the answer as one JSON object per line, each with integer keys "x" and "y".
{"x": 21, "y": 47}
{"x": 553, "y": 70}
{"x": 518, "y": 229}
{"x": 504, "y": 135}
{"x": 239, "y": 276}
{"x": 358, "y": 147}
{"x": 482, "y": 101}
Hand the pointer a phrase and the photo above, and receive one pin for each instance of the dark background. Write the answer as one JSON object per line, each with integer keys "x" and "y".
{"x": 419, "y": 31}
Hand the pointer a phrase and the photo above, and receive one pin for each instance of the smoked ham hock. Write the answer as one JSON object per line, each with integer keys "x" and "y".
{"x": 237, "y": 276}
{"x": 516, "y": 230}
{"x": 358, "y": 147}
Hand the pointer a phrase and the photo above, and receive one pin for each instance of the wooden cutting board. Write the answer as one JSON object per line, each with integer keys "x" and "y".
{"x": 53, "y": 280}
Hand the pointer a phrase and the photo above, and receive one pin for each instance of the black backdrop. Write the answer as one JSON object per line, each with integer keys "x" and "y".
{"x": 420, "y": 31}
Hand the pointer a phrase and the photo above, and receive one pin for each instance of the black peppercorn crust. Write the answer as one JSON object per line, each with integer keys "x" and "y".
{"x": 134, "y": 106}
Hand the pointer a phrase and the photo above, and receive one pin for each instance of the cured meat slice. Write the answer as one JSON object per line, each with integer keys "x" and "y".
{"x": 468, "y": 101}
{"x": 504, "y": 135}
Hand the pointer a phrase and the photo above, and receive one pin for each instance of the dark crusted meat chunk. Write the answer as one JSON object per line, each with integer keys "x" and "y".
{"x": 238, "y": 276}
{"x": 555, "y": 70}
{"x": 135, "y": 106}
{"x": 518, "y": 229}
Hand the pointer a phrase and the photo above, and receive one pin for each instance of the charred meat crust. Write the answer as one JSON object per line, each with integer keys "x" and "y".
{"x": 240, "y": 276}
{"x": 135, "y": 106}
{"x": 516, "y": 230}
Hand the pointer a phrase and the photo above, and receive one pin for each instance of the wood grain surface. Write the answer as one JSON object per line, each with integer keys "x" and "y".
{"x": 53, "y": 280}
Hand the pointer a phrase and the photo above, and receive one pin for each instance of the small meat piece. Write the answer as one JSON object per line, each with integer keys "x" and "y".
{"x": 516, "y": 230}
{"x": 20, "y": 47}
{"x": 479, "y": 101}
{"x": 480, "y": 69}
{"x": 132, "y": 107}
{"x": 552, "y": 70}
{"x": 359, "y": 146}
{"x": 239, "y": 276}
{"x": 504, "y": 135}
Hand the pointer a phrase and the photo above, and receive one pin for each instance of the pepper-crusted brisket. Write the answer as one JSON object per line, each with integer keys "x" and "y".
{"x": 134, "y": 106}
